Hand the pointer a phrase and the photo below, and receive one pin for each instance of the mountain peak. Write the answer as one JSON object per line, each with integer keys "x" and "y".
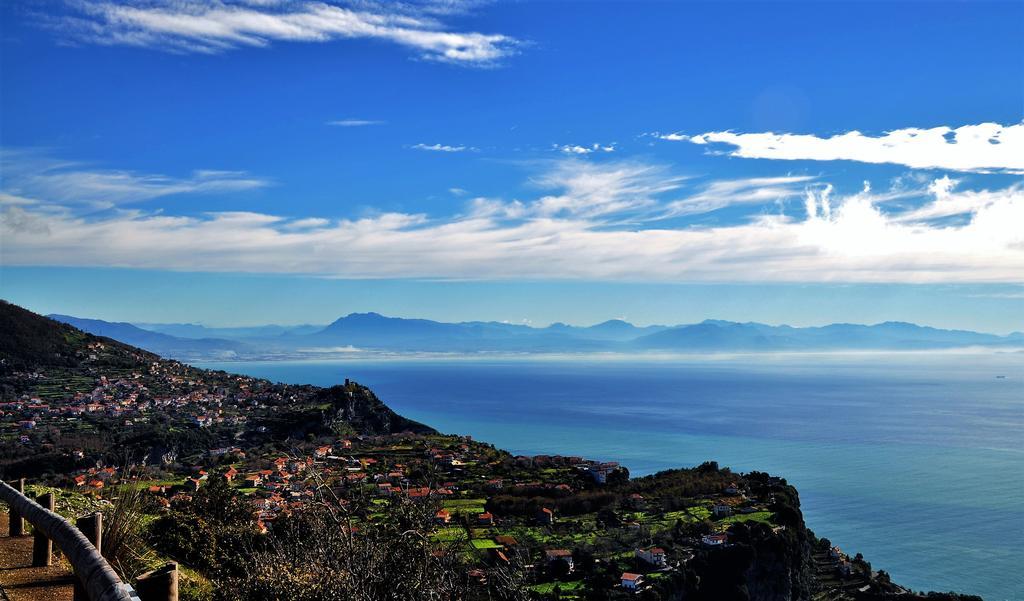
{"x": 613, "y": 324}
{"x": 367, "y": 315}
{"x": 719, "y": 322}
{"x": 358, "y": 318}
{"x": 901, "y": 324}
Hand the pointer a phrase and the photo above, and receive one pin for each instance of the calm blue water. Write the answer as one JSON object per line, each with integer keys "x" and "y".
{"x": 917, "y": 461}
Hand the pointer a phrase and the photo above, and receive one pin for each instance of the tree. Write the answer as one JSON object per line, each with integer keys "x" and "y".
{"x": 214, "y": 531}
{"x": 324, "y": 553}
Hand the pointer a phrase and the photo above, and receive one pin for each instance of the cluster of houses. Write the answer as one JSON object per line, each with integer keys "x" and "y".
{"x": 167, "y": 388}
{"x": 118, "y": 399}
{"x": 398, "y": 466}
{"x": 841, "y": 561}
{"x": 652, "y": 558}
{"x": 94, "y": 478}
{"x": 443, "y": 470}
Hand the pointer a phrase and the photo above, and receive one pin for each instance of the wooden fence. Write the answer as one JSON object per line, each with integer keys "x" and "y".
{"x": 97, "y": 581}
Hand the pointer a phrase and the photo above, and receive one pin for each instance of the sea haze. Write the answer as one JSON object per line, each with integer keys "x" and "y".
{"x": 372, "y": 334}
{"x": 915, "y": 460}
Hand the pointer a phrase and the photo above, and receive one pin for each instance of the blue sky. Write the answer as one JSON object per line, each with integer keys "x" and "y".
{"x": 665, "y": 162}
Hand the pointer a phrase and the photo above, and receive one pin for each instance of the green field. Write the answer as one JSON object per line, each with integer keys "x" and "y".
{"x": 546, "y": 588}
{"x": 465, "y": 506}
{"x": 446, "y": 535}
{"x": 765, "y": 517}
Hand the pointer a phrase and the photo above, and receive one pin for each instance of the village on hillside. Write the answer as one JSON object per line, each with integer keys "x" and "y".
{"x": 570, "y": 527}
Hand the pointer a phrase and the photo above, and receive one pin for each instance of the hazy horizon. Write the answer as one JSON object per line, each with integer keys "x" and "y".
{"x": 537, "y": 326}
{"x": 170, "y": 297}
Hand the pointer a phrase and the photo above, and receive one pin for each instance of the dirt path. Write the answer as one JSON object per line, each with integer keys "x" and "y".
{"x": 19, "y": 581}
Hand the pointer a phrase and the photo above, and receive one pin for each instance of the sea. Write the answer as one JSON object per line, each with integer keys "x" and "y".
{"x": 914, "y": 459}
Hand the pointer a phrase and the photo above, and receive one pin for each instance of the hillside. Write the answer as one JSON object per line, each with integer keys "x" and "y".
{"x": 118, "y": 399}
{"x": 32, "y": 341}
{"x": 162, "y": 344}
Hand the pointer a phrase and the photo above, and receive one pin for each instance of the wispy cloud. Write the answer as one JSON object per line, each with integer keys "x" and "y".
{"x": 671, "y": 137}
{"x": 578, "y": 227}
{"x": 14, "y": 199}
{"x": 354, "y": 122}
{"x": 947, "y": 202}
{"x": 637, "y": 192}
{"x": 580, "y": 150}
{"x": 724, "y": 193}
{"x": 589, "y": 190}
{"x": 971, "y": 148}
{"x": 35, "y": 177}
{"x": 441, "y": 147}
{"x": 306, "y": 224}
{"x": 221, "y": 25}
{"x": 1003, "y": 295}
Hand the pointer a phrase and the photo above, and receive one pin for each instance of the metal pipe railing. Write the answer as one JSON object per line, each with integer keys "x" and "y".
{"x": 98, "y": 579}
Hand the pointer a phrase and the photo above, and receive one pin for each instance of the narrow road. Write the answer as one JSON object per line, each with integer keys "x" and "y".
{"x": 19, "y": 581}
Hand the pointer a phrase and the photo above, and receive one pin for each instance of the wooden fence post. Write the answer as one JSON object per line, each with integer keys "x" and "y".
{"x": 159, "y": 585}
{"x": 92, "y": 527}
{"x": 42, "y": 547}
{"x": 101, "y": 581}
{"x": 16, "y": 524}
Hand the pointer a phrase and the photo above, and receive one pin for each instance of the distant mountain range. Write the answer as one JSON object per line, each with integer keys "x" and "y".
{"x": 156, "y": 342}
{"x": 191, "y": 330}
{"x": 890, "y": 335}
{"x": 375, "y": 332}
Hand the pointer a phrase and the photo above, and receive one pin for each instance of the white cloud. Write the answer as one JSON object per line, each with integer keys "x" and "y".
{"x": 441, "y": 147}
{"x": 856, "y": 232}
{"x": 671, "y": 137}
{"x": 971, "y": 148}
{"x": 220, "y": 25}
{"x": 580, "y": 227}
{"x": 354, "y": 122}
{"x": 1005, "y": 295}
{"x": 29, "y": 176}
{"x": 580, "y": 150}
{"x": 947, "y": 203}
{"x": 13, "y": 199}
{"x": 589, "y": 190}
{"x": 307, "y": 223}
{"x": 724, "y": 193}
